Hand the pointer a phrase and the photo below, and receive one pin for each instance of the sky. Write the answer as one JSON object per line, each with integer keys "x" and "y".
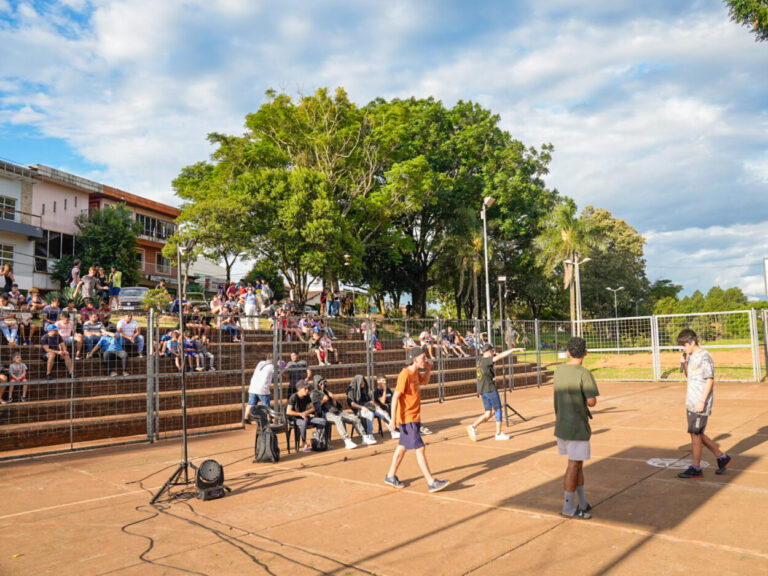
{"x": 658, "y": 110}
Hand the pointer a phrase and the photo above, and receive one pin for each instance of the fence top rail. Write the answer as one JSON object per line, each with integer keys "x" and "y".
{"x": 687, "y": 314}
{"x": 614, "y": 319}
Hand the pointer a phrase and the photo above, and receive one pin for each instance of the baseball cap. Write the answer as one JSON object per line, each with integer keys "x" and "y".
{"x": 412, "y": 354}
{"x": 301, "y": 384}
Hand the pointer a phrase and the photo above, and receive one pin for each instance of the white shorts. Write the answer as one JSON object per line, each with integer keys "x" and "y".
{"x": 578, "y": 450}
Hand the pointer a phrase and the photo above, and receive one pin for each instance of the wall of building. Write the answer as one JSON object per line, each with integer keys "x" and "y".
{"x": 69, "y": 204}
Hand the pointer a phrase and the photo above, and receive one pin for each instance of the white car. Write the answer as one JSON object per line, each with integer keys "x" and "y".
{"x": 132, "y": 297}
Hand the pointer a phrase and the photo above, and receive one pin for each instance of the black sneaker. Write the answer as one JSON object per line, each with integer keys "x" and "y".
{"x": 722, "y": 463}
{"x": 692, "y": 472}
{"x": 578, "y": 514}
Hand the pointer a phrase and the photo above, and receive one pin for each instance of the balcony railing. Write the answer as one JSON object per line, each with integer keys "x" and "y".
{"x": 164, "y": 270}
{"x": 14, "y": 215}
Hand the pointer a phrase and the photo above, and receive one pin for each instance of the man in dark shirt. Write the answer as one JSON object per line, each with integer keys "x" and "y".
{"x": 296, "y": 370}
{"x": 53, "y": 349}
{"x": 300, "y": 408}
{"x": 486, "y": 387}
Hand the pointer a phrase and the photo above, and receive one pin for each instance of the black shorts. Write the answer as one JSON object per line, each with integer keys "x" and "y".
{"x": 697, "y": 423}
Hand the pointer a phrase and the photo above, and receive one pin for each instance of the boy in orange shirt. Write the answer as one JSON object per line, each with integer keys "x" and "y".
{"x": 406, "y": 413}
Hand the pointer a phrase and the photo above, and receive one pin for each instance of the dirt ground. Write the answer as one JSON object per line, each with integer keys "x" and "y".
{"x": 723, "y": 357}
{"x": 330, "y": 513}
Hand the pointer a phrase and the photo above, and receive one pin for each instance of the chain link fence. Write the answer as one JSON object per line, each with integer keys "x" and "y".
{"x": 104, "y": 377}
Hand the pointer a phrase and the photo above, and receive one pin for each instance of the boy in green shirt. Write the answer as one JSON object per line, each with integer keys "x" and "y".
{"x": 575, "y": 392}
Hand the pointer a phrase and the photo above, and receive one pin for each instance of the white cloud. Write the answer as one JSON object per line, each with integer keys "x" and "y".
{"x": 657, "y": 112}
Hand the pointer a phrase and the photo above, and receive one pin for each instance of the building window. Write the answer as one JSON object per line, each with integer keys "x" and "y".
{"x": 65, "y": 204}
{"x": 54, "y": 206}
{"x": 140, "y": 259}
{"x": 75, "y": 201}
{"x": 52, "y": 246}
{"x": 163, "y": 264}
{"x": 6, "y": 254}
{"x": 42, "y": 212}
{"x": 154, "y": 228}
{"x": 7, "y": 208}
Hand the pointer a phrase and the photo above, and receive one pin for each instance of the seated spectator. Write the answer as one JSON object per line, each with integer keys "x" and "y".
{"x": 358, "y": 396}
{"x": 74, "y": 315}
{"x": 105, "y": 312}
{"x": 15, "y": 297}
{"x": 323, "y": 326}
{"x": 330, "y": 409}
{"x": 54, "y": 349}
{"x": 67, "y": 331}
{"x": 3, "y": 380}
{"x": 163, "y": 347}
{"x": 305, "y": 326}
{"x": 328, "y": 346}
{"x": 17, "y": 371}
{"x": 382, "y": 401}
{"x": 409, "y": 342}
{"x": 203, "y": 353}
{"x": 190, "y": 351}
{"x": 457, "y": 340}
{"x": 173, "y": 348}
{"x": 229, "y": 324}
{"x": 112, "y": 345}
{"x": 448, "y": 346}
{"x": 8, "y": 321}
{"x": 470, "y": 339}
{"x": 27, "y": 328}
{"x": 425, "y": 340}
{"x": 196, "y": 322}
{"x": 36, "y": 303}
{"x": 302, "y": 412}
{"x": 89, "y": 311}
{"x": 51, "y": 313}
{"x": 316, "y": 348}
{"x": 92, "y": 330}
{"x": 129, "y": 329}
{"x": 296, "y": 370}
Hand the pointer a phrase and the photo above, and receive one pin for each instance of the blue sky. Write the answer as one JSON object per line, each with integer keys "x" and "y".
{"x": 658, "y": 110}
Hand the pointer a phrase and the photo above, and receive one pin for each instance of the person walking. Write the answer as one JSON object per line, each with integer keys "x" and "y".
{"x": 406, "y": 413}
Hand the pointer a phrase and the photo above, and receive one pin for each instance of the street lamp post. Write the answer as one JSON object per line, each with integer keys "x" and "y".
{"x": 636, "y": 302}
{"x": 487, "y": 203}
{"x": 616, "y": 311}
{"x": 579, "y": 331}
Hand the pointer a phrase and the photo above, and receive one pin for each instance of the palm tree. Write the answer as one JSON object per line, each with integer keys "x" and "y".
{"x": 565, "y": 237}
{"x": 470, "y": 261}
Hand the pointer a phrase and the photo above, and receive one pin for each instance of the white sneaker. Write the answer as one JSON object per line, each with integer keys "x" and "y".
{"x": 349, "y": 445}
{"x": 395, "y": 435}
{"x": 501, "y": 436}
{"x": 472, "y": 433}
{"x": 368, "y": 439}
{"x": 425, "y": 431}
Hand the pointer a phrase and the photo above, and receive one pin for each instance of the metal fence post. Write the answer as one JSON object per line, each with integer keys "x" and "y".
{"x": 242, "y": 376}
{"x": 655, "y": 348}
{"x": 150, "y": 372}
{"x": 754, "y": 336}
{"x": 765, "y": 337}
{"x": 537, "y": 332}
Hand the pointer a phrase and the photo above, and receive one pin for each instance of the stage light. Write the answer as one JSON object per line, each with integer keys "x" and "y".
{"x": 209, "y": 480}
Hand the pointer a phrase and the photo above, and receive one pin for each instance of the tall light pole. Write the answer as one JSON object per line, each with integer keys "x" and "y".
{"x": 487, "y": 203}
{"x": 576, "y": 263}
{"x": 502, "y": 280}
{"x": 636, "y": 302}
{"x": 616, "y": 311}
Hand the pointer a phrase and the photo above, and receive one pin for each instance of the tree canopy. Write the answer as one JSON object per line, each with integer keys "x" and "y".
{"x": 108, "y": 237}
{"x": 752, "y": 14}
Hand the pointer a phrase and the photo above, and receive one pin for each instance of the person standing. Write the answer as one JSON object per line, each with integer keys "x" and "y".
{"x": 9, "y": 278}
{"x": 575, "y": 393}
{"x": 259, "y": 390}
{"x": 115, "y": 284}
{"x": 74, "y": 274}
{"x": 250, "y": 308}
{"x": 406, "y": 413}
{"x": 700, "y": 371}
{"x": 486, "y": 388}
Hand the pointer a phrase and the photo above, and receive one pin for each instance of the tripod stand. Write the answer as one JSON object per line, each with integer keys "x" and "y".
{"x": 507, "y": 407}
{"x": 175, "y": 479}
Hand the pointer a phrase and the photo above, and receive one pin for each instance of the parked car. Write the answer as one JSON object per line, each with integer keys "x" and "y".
{"x": 131, "y": 298}
{"x": 198, "y": 299}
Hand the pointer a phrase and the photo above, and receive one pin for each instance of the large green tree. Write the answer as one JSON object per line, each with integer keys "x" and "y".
{"x": 616, "y": 261}
{"x": 752, "y": 14}
{"x": 108, "y": 237}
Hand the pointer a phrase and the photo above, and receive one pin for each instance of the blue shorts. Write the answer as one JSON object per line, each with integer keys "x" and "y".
{"x": 254, "y": 399}
{"x": 491, "y": 400}
{"x": 410, "y": 436}
{"x": 114, "y": 291}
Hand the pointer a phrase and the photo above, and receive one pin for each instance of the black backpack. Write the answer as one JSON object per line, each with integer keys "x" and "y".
{"x": 266, "y": 448}
{"x": 318, "y": 441}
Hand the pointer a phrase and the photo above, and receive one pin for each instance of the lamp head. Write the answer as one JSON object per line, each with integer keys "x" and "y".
{"x": 489, "y": 201}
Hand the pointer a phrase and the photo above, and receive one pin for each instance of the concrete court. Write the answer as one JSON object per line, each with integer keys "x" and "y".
{"x": 88, "y": 513}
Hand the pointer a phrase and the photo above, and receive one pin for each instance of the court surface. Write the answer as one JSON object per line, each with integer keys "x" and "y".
{"x": 330, "y": 513}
